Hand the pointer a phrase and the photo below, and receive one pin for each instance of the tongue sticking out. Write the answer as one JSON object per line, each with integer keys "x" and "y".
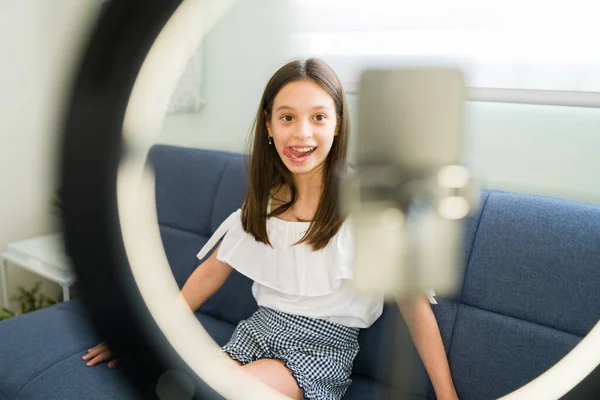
{"x": 289, "y": 152}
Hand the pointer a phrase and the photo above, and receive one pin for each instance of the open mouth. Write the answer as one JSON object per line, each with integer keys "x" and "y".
{"x": 299, "y": 154}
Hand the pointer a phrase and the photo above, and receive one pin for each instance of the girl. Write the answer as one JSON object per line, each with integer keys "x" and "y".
{"x": 292, "y": 240}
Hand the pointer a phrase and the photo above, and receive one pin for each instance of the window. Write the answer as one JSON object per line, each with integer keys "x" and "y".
{"x": 539, "y": 50}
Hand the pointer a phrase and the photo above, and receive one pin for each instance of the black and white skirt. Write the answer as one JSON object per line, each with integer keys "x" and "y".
{"x": 319, "y": 353}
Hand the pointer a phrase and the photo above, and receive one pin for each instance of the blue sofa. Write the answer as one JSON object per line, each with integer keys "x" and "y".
{"x": 529, "y": 294}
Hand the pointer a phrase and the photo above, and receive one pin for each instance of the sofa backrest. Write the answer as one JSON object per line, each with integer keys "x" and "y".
{"x": 530, "y": 288}
{"x": 530, "y": 291}
{"x": 195, "y": 191}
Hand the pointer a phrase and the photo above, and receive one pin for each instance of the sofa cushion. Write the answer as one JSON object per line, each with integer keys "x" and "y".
{"x": 35, "y": 342}
{"x": 181, "y": 248}
{"x": 69, "y": 378}
{"x": 49, "y": 366}
{"x": 529, "y": 292}
{"x": 537, "y": 259}
{"x": 231, "y": 191}
{"x": 364, "y": 388}
{"x": 195, "y": 191}
{"x": 187, "y": 181}
{"x": 219, "y": 330}
{"x": 492, "y": 354}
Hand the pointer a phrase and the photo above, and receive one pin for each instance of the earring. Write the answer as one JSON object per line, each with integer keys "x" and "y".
{"x": 270, "y": 141}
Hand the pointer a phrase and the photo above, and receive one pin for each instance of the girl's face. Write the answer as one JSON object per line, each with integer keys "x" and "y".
{"x": 303, "y": 125}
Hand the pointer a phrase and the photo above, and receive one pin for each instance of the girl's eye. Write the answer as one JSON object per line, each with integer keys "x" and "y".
{"x": 287, "y": 118}
{"x": 320, "y": 117}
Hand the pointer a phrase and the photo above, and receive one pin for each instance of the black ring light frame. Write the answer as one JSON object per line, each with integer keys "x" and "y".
{"x": 91, "y": 153}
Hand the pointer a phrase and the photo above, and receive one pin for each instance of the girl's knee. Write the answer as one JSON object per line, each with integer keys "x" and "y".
{"x": 275, "y": 374}
{"x": 260, "y": 367}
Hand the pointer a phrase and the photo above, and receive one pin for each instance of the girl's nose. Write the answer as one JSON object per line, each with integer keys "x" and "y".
{"x": 304, "y": 131}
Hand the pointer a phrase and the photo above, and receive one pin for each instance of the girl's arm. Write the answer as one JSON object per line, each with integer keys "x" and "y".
{"x": 426, "y": 336}
{"x": 205, "y": 281}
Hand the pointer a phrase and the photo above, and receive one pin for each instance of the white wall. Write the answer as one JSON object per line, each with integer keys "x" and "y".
{"x": 39, "y": 40}
{"x": 547, "y": 150}
{"x": 241, "y": 53}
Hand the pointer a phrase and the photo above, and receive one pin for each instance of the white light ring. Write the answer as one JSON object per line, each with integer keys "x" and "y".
{"x": 146, "y": 110}
{"x": 144, "y": 118}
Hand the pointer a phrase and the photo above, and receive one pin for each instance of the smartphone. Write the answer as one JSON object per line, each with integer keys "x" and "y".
{"x": 410, "y": 130}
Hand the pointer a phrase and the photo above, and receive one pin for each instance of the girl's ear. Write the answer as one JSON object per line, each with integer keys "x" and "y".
{"x": 337, "y": 127}
{"x": 268, "y": 122}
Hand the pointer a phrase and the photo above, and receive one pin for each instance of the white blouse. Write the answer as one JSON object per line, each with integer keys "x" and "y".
{"x": 295, "y": 279}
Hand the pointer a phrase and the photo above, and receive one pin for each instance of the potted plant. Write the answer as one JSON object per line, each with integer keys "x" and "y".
{"x": 29, "y": 300}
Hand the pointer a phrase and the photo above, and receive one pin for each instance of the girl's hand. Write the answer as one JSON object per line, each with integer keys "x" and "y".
{"x": 99, "y": 354}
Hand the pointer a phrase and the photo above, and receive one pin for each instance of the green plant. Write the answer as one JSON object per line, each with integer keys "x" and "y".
{"x": 6, "y": 313}
{"x": 30, "y": 300}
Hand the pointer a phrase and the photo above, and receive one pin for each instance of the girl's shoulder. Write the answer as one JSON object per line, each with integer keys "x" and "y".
{"x": 232, "y": 225}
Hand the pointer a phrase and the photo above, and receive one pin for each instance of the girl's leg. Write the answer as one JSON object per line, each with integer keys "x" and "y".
{"x": 275, "y": 374}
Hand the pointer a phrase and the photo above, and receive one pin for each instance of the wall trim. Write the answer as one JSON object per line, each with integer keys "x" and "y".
{"x": 521, "y": 96}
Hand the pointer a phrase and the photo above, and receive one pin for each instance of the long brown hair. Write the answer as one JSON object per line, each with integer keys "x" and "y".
{"x": 266, "y": 170}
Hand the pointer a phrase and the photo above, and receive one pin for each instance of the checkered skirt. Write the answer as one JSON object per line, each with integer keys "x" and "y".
{"x": 319, "y": 353}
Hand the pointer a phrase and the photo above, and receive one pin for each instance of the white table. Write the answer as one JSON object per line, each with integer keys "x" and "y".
{"x": 42, "y": 255}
